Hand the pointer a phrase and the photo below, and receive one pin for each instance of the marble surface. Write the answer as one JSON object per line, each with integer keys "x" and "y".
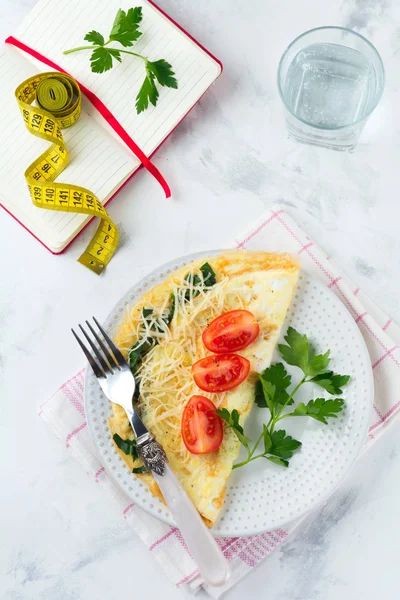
{"x": 60, "y": 539}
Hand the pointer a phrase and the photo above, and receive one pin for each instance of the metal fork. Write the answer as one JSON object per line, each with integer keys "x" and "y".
{"x": 118, "y": 384}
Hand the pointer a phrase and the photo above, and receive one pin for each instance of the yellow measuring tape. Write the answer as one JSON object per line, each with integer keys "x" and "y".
{"x": 58, "y": 106}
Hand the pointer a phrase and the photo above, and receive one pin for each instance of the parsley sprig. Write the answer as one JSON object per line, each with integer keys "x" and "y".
{"x": 125, "y": 31}
{"x": 272, "y": 392}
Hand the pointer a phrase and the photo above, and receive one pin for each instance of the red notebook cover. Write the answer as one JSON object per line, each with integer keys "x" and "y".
{"x": 98, "y": 104}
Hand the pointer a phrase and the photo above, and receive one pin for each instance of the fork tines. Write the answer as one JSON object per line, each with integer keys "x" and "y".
{"x": 107, "y": 354}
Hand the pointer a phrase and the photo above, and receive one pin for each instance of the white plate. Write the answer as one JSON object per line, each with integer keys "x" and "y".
{"x": 262, "y": 496}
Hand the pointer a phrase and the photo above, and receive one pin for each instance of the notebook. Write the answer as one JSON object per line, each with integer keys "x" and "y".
{"x": 99, "y": 158}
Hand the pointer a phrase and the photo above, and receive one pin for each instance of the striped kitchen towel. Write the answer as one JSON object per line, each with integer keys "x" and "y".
{"x": 64, "y": 411}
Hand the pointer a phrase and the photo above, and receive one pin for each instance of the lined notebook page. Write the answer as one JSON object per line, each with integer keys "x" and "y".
{"x": 52, "y": 27}
{"x": 97, "y": 161}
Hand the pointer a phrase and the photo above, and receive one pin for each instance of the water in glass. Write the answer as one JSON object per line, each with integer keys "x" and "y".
{"x": 330, "y": 85}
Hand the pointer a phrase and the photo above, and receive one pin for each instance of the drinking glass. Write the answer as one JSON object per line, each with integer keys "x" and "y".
{"x": 330, "y": 79}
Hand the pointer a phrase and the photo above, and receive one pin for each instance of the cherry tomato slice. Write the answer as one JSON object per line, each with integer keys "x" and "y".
{"x": 201, "y": 427}
{"x": 231, "y": 331}
{"x": 220, "y": 372}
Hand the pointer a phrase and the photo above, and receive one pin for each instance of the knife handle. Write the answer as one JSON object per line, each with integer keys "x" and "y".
{"x": 212, "y": 564}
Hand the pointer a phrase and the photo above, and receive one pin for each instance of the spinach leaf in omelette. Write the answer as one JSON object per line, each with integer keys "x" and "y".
{"x": 142, "y": 347}
{"x": 207, "y": 280}
{"x": 128, "y": 447}
{"x": 140, "y": 470}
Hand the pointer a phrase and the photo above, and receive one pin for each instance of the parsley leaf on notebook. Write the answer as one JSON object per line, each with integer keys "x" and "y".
{"x": 125, "y": 31}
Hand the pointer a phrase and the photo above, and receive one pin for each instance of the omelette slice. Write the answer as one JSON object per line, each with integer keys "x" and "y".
{"x": 174, "y": 314}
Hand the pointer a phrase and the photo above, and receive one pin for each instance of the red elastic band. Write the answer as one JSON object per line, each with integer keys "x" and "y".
{"x": 103, "y": 110}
